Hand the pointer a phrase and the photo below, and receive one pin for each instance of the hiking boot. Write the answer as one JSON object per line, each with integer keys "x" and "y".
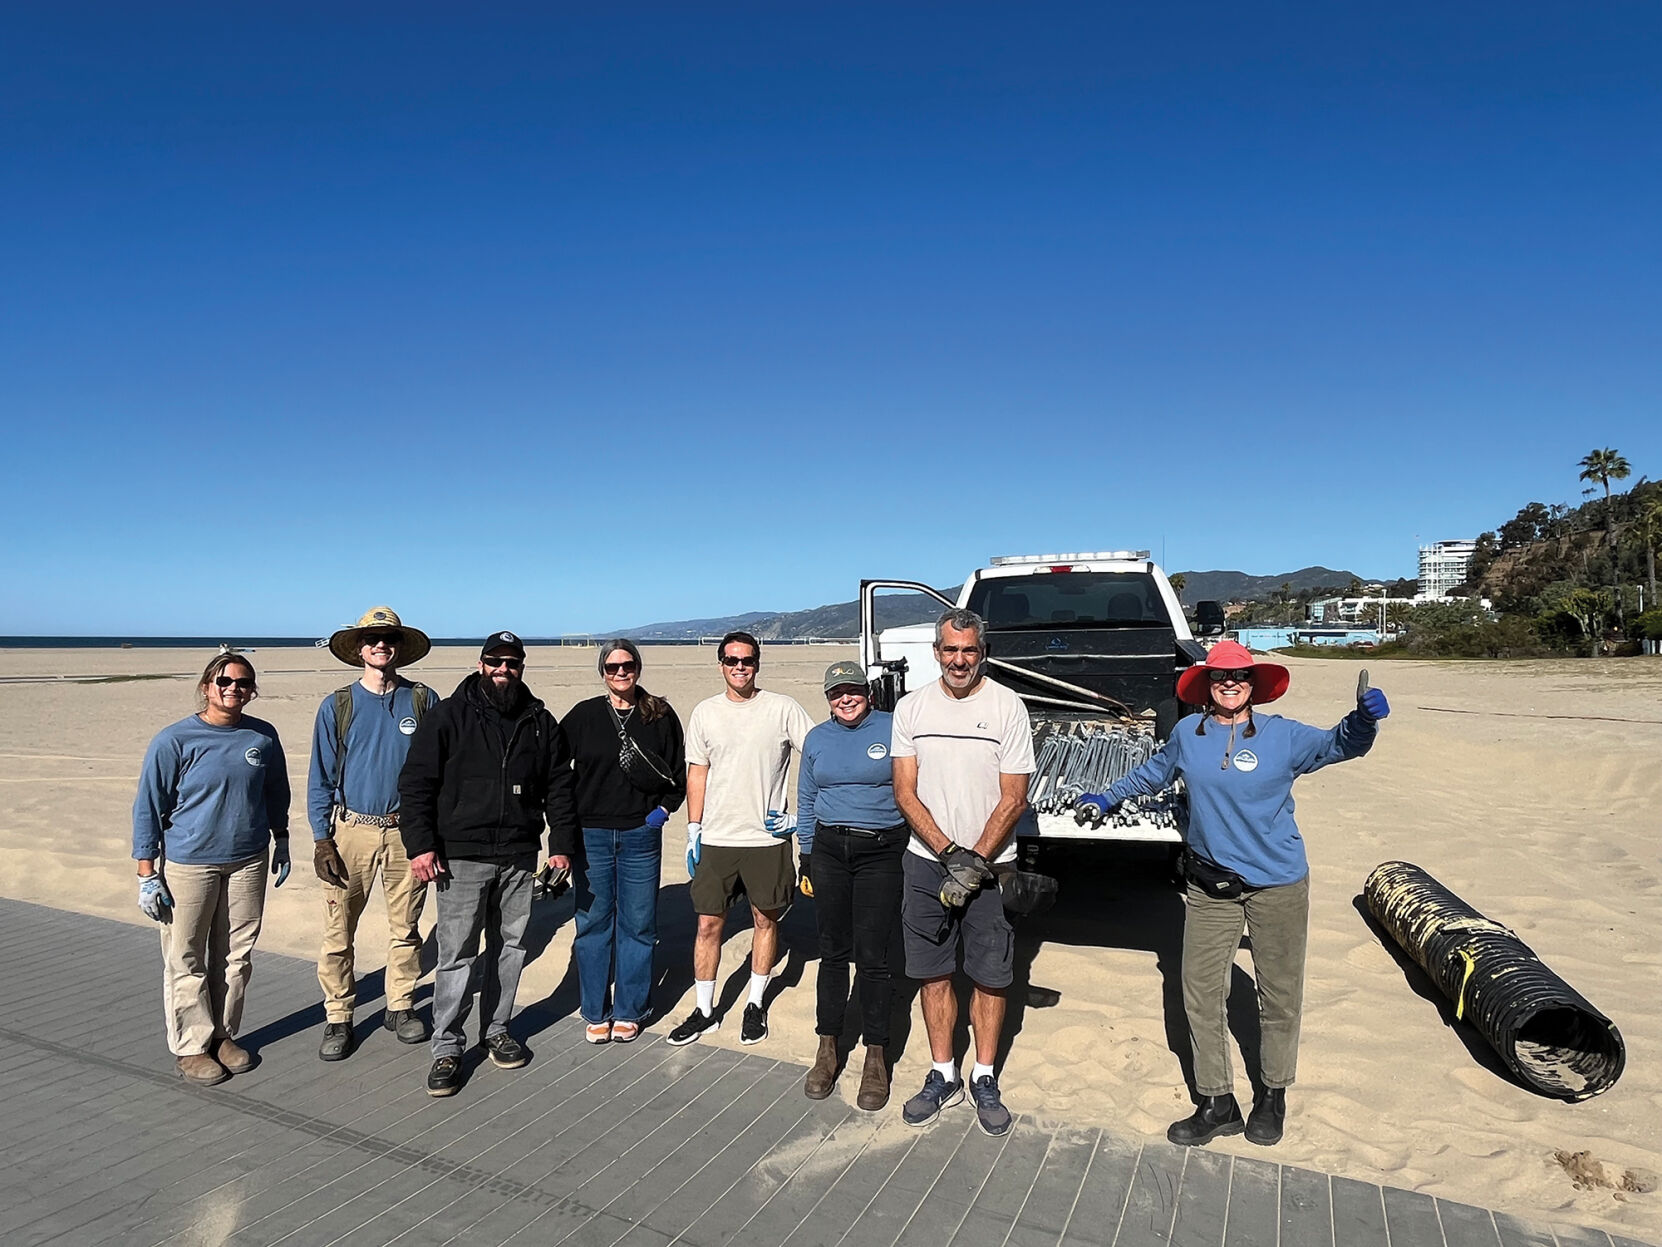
{"x": 234, "y": 1058}
{"x": 337, "y": 1042}
{"x": 823, "y": 1076}
{"x": 406, "y": 1024}
{"x": 696, "y": 1024}
{"x": 505, "y": 1051}
{"x": 990, "y": 1113}
{"x": 202, "y": 1070}
{"x": 927, "y": 1104}
{"x": 1268, "y": 1117}
{"x": 445, "y": 1077}
{"x": 874, "y": 1079}
{"x": 1217, "y": 1115}
{"x": 754, "y": 1029}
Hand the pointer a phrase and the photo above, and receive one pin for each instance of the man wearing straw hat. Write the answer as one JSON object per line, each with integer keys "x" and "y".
{"x": 358, "y": 747}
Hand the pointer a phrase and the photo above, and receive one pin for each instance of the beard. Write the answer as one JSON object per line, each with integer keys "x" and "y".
{"x": 504, "y": 699}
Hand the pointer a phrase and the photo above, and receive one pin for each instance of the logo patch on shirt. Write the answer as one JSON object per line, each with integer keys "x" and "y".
{"x": 252, "y": 757}
{"x": 1246, "y": 760}
{"x": 407, "y": 725}
{"x": 877, "y": 752}
{"x": 981, "y": 727}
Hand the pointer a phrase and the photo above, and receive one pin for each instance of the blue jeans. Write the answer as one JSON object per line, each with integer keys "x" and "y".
{"x": 617, "y": 921}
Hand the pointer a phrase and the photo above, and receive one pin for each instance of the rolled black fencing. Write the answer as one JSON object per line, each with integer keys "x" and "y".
{"x": 1545, "y": 1031}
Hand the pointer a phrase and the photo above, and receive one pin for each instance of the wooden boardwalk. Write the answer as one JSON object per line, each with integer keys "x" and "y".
{"x": 632, "y": 1145}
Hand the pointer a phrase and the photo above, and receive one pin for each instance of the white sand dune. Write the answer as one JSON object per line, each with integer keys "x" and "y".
{"x": 1531, "y": 789}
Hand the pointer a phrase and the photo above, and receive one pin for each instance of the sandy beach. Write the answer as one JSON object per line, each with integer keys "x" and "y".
{"x": 1531, "y": 789}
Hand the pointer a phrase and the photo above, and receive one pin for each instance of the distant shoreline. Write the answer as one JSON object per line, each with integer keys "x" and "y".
{"x": 298, "y": 642}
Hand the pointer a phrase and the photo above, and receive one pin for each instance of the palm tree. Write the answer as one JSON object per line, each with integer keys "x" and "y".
{"x": 1605, "y": 466}
{"x": 1647, "y": 529}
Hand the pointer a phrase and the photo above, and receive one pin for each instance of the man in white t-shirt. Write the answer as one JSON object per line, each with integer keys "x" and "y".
{"x": 963, "y": 754}
{"x": 739, "y": 747}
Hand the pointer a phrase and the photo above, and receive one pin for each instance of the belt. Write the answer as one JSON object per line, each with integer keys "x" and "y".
{"x": 369, "y": 820}
{"x": 865, "y": 833}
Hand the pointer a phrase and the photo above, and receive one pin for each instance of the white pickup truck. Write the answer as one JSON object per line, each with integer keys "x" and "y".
{"x": 1093, "y": 643}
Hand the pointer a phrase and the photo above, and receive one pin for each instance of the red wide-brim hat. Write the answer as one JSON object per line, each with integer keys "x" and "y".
{"x": 1269, "y": 679}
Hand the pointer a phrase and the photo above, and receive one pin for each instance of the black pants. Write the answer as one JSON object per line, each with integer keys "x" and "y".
{"x": 857, "y": 886}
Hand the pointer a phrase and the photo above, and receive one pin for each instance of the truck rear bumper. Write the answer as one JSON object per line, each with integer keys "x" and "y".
{"x": 1062, "y": 827}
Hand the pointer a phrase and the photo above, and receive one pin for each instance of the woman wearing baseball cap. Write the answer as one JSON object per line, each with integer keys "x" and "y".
{"x": 1246, "y": 868}
{"x": 853, "y": 838}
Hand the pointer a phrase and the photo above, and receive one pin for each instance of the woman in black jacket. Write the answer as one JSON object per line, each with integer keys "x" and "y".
{"x": 631, "y": 767}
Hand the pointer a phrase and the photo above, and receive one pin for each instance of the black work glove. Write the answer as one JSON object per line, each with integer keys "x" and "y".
{"x": 326, "y": 860}
{"x": 966, "y": 872}
{"x": 806, "y": 883}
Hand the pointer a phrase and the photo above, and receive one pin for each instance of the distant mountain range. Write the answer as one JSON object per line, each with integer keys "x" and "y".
{"x": 842, "y": 619}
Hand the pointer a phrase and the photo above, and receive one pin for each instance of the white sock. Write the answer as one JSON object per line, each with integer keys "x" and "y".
{"x": 947, "y": 1070}
{"x": 706, "y": 990}
{"x": 758, "y": 986}
{"x": 979, "y": 1071}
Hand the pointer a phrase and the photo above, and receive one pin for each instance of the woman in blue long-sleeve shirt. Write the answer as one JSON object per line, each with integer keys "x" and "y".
{"x": 212, "y": 797}
{"x": 853, "y": 838}
{"x": 1246, "y": 868}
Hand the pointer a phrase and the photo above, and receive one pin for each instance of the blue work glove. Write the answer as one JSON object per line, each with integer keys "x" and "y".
{"x": 1092, "y": 808}
{"x": 280, "y": 859}
{"x": 657, "y": 818}
{"x": 777, "y": 826}
{"x": 695, "y": 846}
{"x": 1373, "y": 705}
{"x": 154, "y": 896}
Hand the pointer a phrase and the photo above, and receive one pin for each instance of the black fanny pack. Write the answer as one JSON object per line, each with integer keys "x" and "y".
{"x": 640, "y": 766}
{"x": 1212, "y": 879}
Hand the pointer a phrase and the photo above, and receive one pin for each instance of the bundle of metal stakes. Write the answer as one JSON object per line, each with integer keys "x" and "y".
{"x": 1073, "y": 757}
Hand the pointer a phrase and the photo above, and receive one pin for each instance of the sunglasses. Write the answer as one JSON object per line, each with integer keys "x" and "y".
{"x": 512, "y": 664}
{"x": 241, "y": 683}
{"x": 1240, "y": 675}
{"x": 386, "y": 638}
{"x": 727, "y": 660}
{"x": 622, "y": 668}
{"x": 846, "y": 690}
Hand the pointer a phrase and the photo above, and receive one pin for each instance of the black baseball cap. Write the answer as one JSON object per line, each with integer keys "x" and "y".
{"x": 503, "y": 642}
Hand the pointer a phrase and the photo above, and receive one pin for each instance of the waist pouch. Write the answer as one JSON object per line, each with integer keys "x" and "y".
{"x": 640, "y": 766}
{"x": 1211, "y": 878}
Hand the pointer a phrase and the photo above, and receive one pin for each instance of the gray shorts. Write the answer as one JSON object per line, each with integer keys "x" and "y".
{"x": 934, "y": 933}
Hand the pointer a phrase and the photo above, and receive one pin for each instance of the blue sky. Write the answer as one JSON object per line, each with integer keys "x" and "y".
{"x": 561, "y": 318}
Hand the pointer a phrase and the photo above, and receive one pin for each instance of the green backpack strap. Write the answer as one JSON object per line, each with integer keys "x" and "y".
{"x": 343, "y": 720}
{"x": 421, "y": 699}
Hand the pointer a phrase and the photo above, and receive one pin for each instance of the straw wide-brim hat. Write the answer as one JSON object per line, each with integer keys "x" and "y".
{"x": 1269, "y": 679}
{"x": 346, "y": 644}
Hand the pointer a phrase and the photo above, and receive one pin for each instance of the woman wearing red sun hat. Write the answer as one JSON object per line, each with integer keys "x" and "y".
{"x": 1246, "y": 869}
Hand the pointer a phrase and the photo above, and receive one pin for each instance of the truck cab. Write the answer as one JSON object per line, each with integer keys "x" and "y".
{"x": 1093, "y": 644}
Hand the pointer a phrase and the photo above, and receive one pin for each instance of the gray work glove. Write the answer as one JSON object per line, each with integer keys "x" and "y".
{"x": 328, "y": 863}
{"x": 154, "y": 896}
{"x": 966, "y": 872}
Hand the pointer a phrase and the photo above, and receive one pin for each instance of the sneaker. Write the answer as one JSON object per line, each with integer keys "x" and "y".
{"x": 754, "y": 1028}
{"x": 201, "y": 1069}
{"x": 990, "y": 1113}
{"x": 598, "y": 1032}
{"x": 445, "y": 1076}
{"x": 406, "y": 1024}
{"x": 625, "y": 1032}
{"x": 505, "y": 1051}
{"x": 927, "y": 1104}
{"x": 696, "y": 1024}
{"x": 337, "y": 1042}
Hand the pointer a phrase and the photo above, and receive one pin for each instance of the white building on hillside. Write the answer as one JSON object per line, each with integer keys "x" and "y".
{"x": 1443, "y": 567}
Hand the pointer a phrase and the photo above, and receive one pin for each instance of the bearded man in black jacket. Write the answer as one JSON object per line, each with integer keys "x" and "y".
{"x": 486, "y": 768}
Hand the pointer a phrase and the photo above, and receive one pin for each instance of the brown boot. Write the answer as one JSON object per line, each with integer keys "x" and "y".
{"x": 201, "y": 1069}
{"x": 874, "y": 1080}
{"x": 233, "y": 1058}
{"x": 823, "y": 1076}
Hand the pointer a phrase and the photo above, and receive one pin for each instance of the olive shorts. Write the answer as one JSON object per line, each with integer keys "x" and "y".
{"x": 765, "y": 873}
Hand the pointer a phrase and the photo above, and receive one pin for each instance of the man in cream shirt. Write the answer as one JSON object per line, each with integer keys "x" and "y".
{"x": 739, "y": 747}
{"x": 963, "y": 755}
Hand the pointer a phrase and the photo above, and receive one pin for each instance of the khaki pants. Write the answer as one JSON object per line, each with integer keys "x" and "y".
{"x": 207, "y": 945}
{"x": 365, "y": 850}
{"x": 1278, "y": 921}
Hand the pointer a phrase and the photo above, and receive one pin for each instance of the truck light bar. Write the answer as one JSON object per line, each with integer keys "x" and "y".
{"x": 1098, "y": 556}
